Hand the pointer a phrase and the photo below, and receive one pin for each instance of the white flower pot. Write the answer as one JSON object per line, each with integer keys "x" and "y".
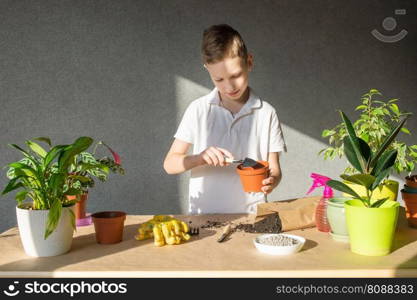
{"x": 32, "y": 224}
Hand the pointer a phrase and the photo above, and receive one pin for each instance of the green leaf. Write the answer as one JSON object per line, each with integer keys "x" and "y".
{"x": 30, "y": 157}
{"x": 386, "y": 161}
{"x": 405, "y": 130}
{"x": 88, "y": 158}
{"x": 365, "y": 180}
{"x": 361, "y": 107}
{"x": 52, "y": 154}
{"x": 27, "y": 170}
{"x": 394, "y": 108}
{"x": 381, "y": 176}
{"x": 21, "y": 196}
{"x": 44, "y": 139}
{"x": 379, "y": 202}
{"x": 12, "y": 185}
{"x": 56, "y": 183}
{"x": 355, "y": 148}
{"x": 365, "y": 151}
{"x": 350, "y": 154}
{"x": 53, "y": 217}
{"x": 36, "y": 148}
{"x": 72, "y": 216}
{"x": 66, "y": 156}
{"x": 73, "y": 192}
{"x": 387, "y": 142}
{"x": 340, "y": 186}
{"x": 79, "y": 177}
{"x": 327, "y": 132}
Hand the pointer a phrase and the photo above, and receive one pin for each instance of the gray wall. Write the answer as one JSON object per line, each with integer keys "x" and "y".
{"x": 124, "y": 71}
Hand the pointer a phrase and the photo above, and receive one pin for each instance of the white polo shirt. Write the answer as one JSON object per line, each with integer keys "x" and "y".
{"x": 253, "y": 132}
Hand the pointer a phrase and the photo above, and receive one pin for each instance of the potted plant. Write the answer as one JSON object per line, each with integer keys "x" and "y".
{"x": 46, "y": 224}
{"x": 409, "y": 195}
{"x": 85, "y": 168}
{"x": 373, "y": 126}
{"x": 371, "y": 222}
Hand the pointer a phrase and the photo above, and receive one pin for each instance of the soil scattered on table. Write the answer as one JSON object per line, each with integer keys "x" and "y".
{"x": 268, "y": 224}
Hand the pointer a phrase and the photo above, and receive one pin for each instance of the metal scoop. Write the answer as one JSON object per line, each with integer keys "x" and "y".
{"x": 246, "y": 163}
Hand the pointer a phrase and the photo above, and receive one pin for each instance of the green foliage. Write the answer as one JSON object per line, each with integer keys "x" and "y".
{"x": 376, "y": 121}
{"x": 373, "y": 166}
{"x": 85, "y": 167}
{"x": 42, "y": 176}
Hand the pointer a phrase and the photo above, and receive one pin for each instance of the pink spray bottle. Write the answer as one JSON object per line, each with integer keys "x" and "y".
{"x": 321, "y": 215}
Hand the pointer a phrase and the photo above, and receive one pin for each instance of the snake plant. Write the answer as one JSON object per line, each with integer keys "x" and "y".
{"x": 372, "y": 167}
{"x": 43, "y": 176}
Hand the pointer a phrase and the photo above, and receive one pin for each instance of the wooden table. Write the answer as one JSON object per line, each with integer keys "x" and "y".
{"x": 203, "y": 256}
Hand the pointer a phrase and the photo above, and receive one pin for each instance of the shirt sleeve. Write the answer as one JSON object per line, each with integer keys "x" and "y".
{"x": 186, "y": 129}
{"x": 276, "y": 137}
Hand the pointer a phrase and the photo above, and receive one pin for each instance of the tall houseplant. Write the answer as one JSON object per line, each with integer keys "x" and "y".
{"x": 371, "y": 222}
{"x": 374, "y": 124}
{"x": 46, "y": 223}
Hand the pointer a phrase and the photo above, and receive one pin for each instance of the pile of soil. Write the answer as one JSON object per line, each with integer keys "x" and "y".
{"x": 268, "y": 224}
{"x": 412, "y": 178}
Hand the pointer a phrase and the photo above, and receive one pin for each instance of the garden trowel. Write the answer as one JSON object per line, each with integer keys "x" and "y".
{"x": 246, "y": 163}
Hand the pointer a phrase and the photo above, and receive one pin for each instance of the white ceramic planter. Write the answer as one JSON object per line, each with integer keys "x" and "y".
{"x": 32, "y": 229}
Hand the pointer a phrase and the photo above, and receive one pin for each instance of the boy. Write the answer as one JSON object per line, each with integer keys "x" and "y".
{"x": 231, "y": 121}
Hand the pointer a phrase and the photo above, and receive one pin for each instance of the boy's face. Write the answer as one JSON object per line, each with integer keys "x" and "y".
{"x": 230, "y": 76}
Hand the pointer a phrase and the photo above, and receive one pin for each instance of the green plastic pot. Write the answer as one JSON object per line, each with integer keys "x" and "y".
{"x": 371, "y": 230}
{"x": 337, "y": 219}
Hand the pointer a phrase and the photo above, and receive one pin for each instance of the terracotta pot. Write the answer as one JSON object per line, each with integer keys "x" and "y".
{"x": 109, "y": 226}
{"x": 80, "y": 205}
{"x": 252, "y": 177}
{"x": 411, "y": 181}
{"x": 410, "y": 200}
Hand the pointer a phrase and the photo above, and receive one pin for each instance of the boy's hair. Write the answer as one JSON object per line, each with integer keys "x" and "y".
{"x": 220, "y": 41}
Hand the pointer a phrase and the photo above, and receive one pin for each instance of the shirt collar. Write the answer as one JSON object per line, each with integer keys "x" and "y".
{"x": 252, "y": 103}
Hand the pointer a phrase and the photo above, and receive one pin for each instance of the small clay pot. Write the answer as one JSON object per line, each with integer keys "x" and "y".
{"x": 411, "y": 181}
{"x": 80, "y": 205}
{"x": 109, "y": 226}
{"x": 252, "y": 177}
{"x": 410, "y": 200}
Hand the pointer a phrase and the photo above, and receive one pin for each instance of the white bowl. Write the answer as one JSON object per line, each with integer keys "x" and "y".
{"x": 279, "y": 250}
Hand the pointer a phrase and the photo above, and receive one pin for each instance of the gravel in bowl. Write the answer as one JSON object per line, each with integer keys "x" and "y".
{"x": 279, "y": 244}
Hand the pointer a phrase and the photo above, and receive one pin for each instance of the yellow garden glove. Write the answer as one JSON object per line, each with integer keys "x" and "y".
{"x": 164, "y": 230}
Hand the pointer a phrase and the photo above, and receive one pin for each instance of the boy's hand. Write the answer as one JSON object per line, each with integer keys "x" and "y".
{"x": 214, "y": 156}
{"x": 269, "y": 184}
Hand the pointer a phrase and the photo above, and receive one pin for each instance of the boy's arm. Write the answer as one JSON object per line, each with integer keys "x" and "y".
{"x": 275, "y": 173}
{"x": 177, "y": 160}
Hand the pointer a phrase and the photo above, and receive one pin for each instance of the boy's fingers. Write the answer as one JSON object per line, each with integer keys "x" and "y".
{"x": 266, "y": 189}
{"x": 269, "y": 180}
{"x": 219, "y": 155}
{"x": 225, "y": 152}
{"x": 213, "y": 157}
{"x": 207, "y": 159}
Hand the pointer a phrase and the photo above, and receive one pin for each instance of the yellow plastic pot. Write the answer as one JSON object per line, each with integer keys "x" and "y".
{"x": 388, "y": 189}
{"x": 371, "y": 230}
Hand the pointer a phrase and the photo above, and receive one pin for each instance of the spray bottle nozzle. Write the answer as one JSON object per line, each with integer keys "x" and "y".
{"x": 318, "y": 181}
